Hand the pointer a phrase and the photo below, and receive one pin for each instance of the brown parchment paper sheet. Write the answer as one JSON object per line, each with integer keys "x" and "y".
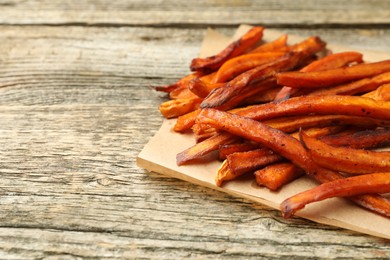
{"x": 159, "y": 155}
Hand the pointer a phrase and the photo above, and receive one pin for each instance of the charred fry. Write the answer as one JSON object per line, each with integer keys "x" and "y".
{"x": 344, "y": 159}
{"x": 276, "y": 175}
{"x": 352, "y": 186}
{"x": 319, "y": 79}
{"x": 246, "y": 42}
{"x": 240, "y": 64}
{"x": 332, "y": 61}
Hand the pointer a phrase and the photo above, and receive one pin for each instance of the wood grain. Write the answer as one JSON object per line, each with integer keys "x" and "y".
{"x": 197, "y": 13}
{"x": 76, "y": 108}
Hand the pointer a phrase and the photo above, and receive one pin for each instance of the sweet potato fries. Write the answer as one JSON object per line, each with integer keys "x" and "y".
{"x": 278, "y": 112}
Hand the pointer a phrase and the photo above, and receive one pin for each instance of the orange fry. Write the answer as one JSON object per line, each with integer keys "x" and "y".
{"x": 319, "y": 79}
{"x": 356, "y": 87}
{"x": 246, "y": 42}
{"x": 334, "y": 104}
{"x": 352, "y": 186}
{"x": 345, "y": 159}
{"x": 276, "y": 175}
{"x": 240, "y": 163}
{"x": 332, "y": 61}
{"x": 226, "y": 149}
{"x": 242, "y": 63}
{"x": 280, "y": 44}
{"x": 197, "y": 151}
{"x": 177, "y": 107}
{"x": 181, "y": 82}
{"x": 360, "y": 140}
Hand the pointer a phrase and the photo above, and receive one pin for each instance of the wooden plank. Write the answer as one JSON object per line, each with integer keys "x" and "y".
{"x": 200, "y": 13}
{"x": 76, "y": 109}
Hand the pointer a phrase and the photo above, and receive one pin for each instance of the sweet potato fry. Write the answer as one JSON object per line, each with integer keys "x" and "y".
{"x": 360, "y": 140}
{"x": 334, "y": 104}
{"x": 356, "y": 87}
{"x": 202, "y": 88}
{"x": 223, "y": 174}
{"x": 240, "y": 163}
{"x": 186, "y": 121}
{"x": 332, "y": 61}
{"x": 381, "y": 93}
{"x": 319, "y": 79}
{"x": 226, "y": 149}
{"x": 276, "y": 175}
{"x": 177, "y": 107}
{"x": 311, "y": 45}
{"x": 181, "y": 82}
{"x": 195, "y": 152}
{"x": 280, "y": 44}
{"x": 227, "y": 91}
{"x": 345, "y": 159}
{"x": 352, "y": 186}
{"x": 242, "y": 63}
{"x": 294, "y": 123}
{"x": 289, "y": 148}
{"x": 246, "y": 42}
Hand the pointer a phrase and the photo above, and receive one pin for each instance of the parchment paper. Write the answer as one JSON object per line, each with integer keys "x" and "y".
{"x": 159, "y": 155}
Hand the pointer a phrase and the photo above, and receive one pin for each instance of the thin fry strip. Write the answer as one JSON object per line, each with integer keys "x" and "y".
{"x": 223, "y": 94}
{"x": 280, "y": 44}
{"x": 332, "y": 61}
{"x": 342, "y": 105}
{"x": 356, "y": 87}
{"x": 276, "y": 175}
{"x": 247, "y": 41}
{"x": 181, "y": 82}
{"x": 352, "y": 186}
{"x": 319, "y": 79}
{"x": 177, "y": 107}
{"x": 360, "y": 140}
{"x": 345, "y": 159}
{"x": 243, "y": 162}
{"x": 288, "y": 147}
{"x": 197, "y": 151}
{"x": 226, "y": 149}
{"x": 242, "y": 63}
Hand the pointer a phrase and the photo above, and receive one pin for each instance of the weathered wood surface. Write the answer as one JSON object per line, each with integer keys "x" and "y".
{"x": 76, "y": 109}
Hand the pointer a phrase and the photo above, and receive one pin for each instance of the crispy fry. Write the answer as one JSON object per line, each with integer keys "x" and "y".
{"x": 310, "y": 45}
{"x": 334, "y": 104}
{"x": 344, "y": 159}
{"x": 356, "y": 87}
{"x": 197, "y": 151}
{"x": 293, "y": 123}
{"x": 202, "y": 88}
{"x": 186, "y": 121}
{"x": 226, "y": 149}
{"x": 181, "y": 93}
{"x": 276, "y": 175}
{"x": 360, "y": 140}
{"x": 181, "y": 82}
{"x": 242, "y": 63}
{"x": 223, "y": 174}
{"x": 352, "y": 186}
{"x": 240, "y": 163}
{"x": 289, "y": 148}
{"x": 319, "y": 79}
{"x": 227, "y": 91}
{"x": 332, "y": 61}
{"x": 246, "y": 42}
{"x": 177, "y": 107}
{"x": 280, "y": 44}
{"x": 381, "y": 93}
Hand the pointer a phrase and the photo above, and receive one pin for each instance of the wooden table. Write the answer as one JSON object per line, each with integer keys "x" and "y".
{"x": 76, "y": 109}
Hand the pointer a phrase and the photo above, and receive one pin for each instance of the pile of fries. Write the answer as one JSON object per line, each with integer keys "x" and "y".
{"x": 280, "y": 111}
